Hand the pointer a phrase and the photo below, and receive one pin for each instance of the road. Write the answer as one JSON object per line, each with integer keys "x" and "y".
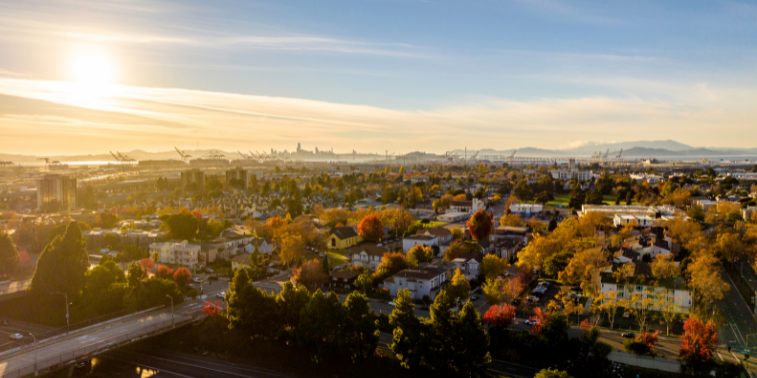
{"x": 13, "y": 287}
{"x": 739, "y": 323}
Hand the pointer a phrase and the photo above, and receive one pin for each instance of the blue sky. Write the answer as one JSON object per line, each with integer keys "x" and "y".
{"x": 405, "y": 75}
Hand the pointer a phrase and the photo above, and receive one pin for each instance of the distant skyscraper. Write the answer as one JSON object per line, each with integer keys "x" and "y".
{"x": 57, "y": 188}
{"x": 298, "y": 147}
{"x": 316, "y": 150}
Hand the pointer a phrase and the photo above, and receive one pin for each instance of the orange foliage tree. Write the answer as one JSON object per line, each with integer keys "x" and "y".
{"x": 699, "y": 341}
{"x": 541, "y": 318}
{"x": 391, "y": 263}
{"x": 309, "y": 274}
{"x": 165, "y": 272}
{"x": 182, "y": 276}
{"x": 147, "y": 263}
{"x": 480, "y": 225}
{"x": 499, "y": 316}
{"x": 211, "y": 309}
{"x": 371, "y": 227}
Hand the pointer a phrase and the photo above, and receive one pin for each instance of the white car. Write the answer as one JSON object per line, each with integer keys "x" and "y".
{"x": 531, "y": 322}
{"x": 221, "y": 294}
{"x": 16, "y": 336}
{"x": 209, "y": 270}
{"x": 197, "y": 280}
{"x": 391, "y": 304}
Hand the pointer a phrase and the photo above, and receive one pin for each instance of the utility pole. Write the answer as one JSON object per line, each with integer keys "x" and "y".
{"x": 173, "y": 324}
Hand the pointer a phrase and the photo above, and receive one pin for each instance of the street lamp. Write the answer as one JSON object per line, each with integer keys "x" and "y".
{"x": 35, "y": 353}
{"x": 68, "y": 323}
{"x": 172, "y": 321}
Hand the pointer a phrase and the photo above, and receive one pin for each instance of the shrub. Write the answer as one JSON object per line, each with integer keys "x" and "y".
{"x": 601, "y": 349}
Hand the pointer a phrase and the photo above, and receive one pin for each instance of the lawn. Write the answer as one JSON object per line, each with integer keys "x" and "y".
{"x": 337, "y": 257}
{"x": 564, "y": 199}
{"x": 430, "y": 224}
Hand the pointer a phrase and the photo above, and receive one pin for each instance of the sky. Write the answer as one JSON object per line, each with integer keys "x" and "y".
{"x": 80, "y": 77}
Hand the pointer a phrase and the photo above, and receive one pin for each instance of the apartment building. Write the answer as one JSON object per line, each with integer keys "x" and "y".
{"x": 367, "y": 255}
{"x": 193, "y": 177}
{"x": 58, "y": 189}
{"x": 181, "y": 253}
{"x": 423, "y": 280}
{"x": 671, "y": 291}
{"x": 237, "y": 174}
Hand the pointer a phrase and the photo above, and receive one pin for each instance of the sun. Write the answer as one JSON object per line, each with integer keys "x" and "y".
{"x": 92, "y": 68}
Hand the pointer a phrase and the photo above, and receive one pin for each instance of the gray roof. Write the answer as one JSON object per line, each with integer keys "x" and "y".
{"x": 420, "y": 237}
{"x": 343, "y": 232}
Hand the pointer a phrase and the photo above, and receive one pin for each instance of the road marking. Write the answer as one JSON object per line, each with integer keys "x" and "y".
{"x": 721, "y": 357}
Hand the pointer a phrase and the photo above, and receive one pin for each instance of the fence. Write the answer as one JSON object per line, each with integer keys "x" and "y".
{"x": 52, "y": 363}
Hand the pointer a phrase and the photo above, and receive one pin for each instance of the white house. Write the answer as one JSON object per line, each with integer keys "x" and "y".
{"x": 368, "y": 255}
{"x": 181, "y": 253}
{"x": 672, "y": 291}
{"x": 468, "y": 265}
{"x": 620, "y": 220}
{"x": 411, "y": 241}
{"x": 452, "y": 217}
{"x": 423, "y": 280}
{"x": 468, "y": 207}
{"x": 653, "y": 251}
{"x": 444, "y": 235}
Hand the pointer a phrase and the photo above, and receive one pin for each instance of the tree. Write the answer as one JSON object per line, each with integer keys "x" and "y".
{"x": 415, "y": 196}
{"x": 364, "y": 280}
{"x": 325, "y": 266}
{"x": 583, "y": 268}
{"x": 9, "y": 258}
{"x": 500, "y": 316}
{"x": 112, "y": 241}
{"x": 640, "y": 306}
{"x": 292, "y": 245}
{"x": 147, "y": 263}
{"x": 699, "y": 341}
{"x": 609, "y": 305}
{"x": 666, "y": 306}
{"x": 182, "y": 276}
{"x": 62, "y": 265}
{"x": 473, "y": 359}
{"x": 459, "y": 288}
{"x": 323, "y": 325}
{"x": 493, "y": 266}
{"x": 706, "y": 280}
{"x": 152, "y": 292}
{"x": 480, "y": 225}
{"x": 555, "y": 330}
{"x": 402, "y": 170}
{"x": 210, "y": 309}
{"x": 552, "y": 224}
{"x": 409, "y": 340}
{"x": 165, "y": 272}
{"x": 419, "y": 254}
{"x": 183, "y": 226}
{"x": 492, "y": 290}
{"x": 642, "y": 344}
{"x": 309, "y": 274}
{"x": 461, "y": 247}
{"x": 663, "y": 267}
{"x": 371, "y": 228}
{"x": 134, "y": 274}
{"x": 542, "y": 198}
{"x": 552, "y": 373}
{"x": 512, "y": 288}
{"x": 101, "y": 278}
{"x": 391, "y": 263}
{"x": 290, "y": 302}
{"x": 361, "y": 332}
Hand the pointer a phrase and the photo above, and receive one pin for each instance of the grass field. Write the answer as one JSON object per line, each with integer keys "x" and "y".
{"x": 337, "y": 257}
{"x": 564, "y": 199}
{"x": 430, "y": 224}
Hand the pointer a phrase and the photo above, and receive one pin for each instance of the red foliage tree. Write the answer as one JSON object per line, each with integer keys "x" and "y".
{"x": 147, "y": 263}
{"x": 480, "y": 225}
{"x": 649, "y": 339}
{"x": 371, "y": 228}
{"x": 541, "y": 318}
{"x": 165, "y": 272}
{"x": 699, "y": 341}
{"x": 309, "y": 274}
{"x": 211, "y": 309}
{"x": 197, "y": 214}
{"x": 182, "y": 276}
{"x": 500, "y": 316}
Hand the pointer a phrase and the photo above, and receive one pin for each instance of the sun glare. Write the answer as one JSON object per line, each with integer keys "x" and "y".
{"x": 92, "y": 68}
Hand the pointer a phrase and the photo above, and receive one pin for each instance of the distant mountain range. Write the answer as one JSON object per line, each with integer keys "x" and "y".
{"x": 638, "y": 149}
{"x": 660, "y": 148}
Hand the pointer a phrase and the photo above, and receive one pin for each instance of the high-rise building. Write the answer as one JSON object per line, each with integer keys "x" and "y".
{"x": 298, "y": 147}
{"x": 57, "y": 188}
{"x": 237, "y": 174}
{"x": 193, "y": 176}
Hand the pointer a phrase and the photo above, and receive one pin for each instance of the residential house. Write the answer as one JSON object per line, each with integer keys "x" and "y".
{"x": 343, "y": 238}
{"x": 343, "y": 279}
{"x": 423, "y": 280}
{"x": 367, "y": 255}
{"x": 469, "y": 265}
{"x": 526, "y": 210}
{"x": 468, "y": 207}
{"x": 443, "y": 234}
{"x": 411, "y": 241}
{"x": 240, "y": 261}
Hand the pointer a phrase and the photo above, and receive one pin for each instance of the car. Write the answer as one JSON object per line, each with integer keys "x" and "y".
{"x": 190, "y": 285}
{"x": 391, "y": 304}
{"x": 82, "y": 365}
{"x": 626, "y": 314}
{"x": 221, "y": 294}
{"x": 474, "y": 297}
{"x": 531, "y": 298}
{"x": 197, "y": 280}
{"x": 532, "y": 321}
{"x": 209, "y": 270}
{"x": 628, "y": 335}
{"x": 16, "y": 336}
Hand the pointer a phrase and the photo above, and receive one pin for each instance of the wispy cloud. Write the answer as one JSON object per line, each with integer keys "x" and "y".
{"x": 164, "y": 116}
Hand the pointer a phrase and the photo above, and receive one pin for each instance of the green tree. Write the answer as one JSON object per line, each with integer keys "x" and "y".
{"x": 443, "y": 334}
{"x": 409, "y": 340}
{"x": 102, "y": 277}
{"x": 556, "y": 329}
{"x": 365, "y": 281}
{"x": 135, "y": 272}
{"x": 325, "y": 265}
{"x": 362, "y": 335}
{"x": 419, "y": 254}
{"x": 9, "y": 258}
{"x": 251, "y": 310}
{"x": 322, "y": 325}
{"x": 152, "y": 292}
{"x": 62, "y": 264}
{"x": 291, "y": 301}
{"x": 473, "y": 359}
{"x": 112, "y": 241}
{"x": 183, "y": 226}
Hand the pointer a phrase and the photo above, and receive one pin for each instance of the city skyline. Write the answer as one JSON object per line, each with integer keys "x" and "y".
{"x": 371, "y": 76}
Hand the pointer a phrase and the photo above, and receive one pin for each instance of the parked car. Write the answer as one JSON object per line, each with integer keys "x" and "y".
{"x": 16, "y": 336}
{"x": 391, "y": 304}
{"x": 474, "y": 297}
{"x": 532, "y": 321}
{"x": 209, "y": 270}
{"x": 197, "y": 280}
{"x": 531, "y": 298}
{"x": 628, "y": 335}
{"x": 221, "y": 294}
{"x": 83, "y": 364}
{"x": 543, "y": 283}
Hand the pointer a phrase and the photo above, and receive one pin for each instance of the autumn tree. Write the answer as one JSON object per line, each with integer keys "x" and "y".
{"x": 182, "y": 276}
{"x": 292, "y": 246}
{"x": 183, "y": 226}
{"x": 552, "y": 373}
{"x": 699, "y": 341}
{"x": 165, "y": 272}
{"x": 609, "y": 305}
{"x": 512, "y": 288}
{"x": 309, "y": 274}
{"x": 391, "y": 263}
{"x": 493, "y": 266}
{"x": 663, "y": 267}
{"x": 459, "y": 288}
{"x": 460, "y": 247}
{"x": 584, "y": 268}
{"x": 640, "y": 306}
{"x": 371, "y": 228}
{"x": 492, "y": 290}
{"x": 499, "y": 316}
{"x": 9, "y": 258}
{"x": 147, "y": 263}
{"x": 511, "y": 220}
{"x": 706, "y": 280}
{"x": 419, "y": 254}
{"x": 480, "y": 225}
